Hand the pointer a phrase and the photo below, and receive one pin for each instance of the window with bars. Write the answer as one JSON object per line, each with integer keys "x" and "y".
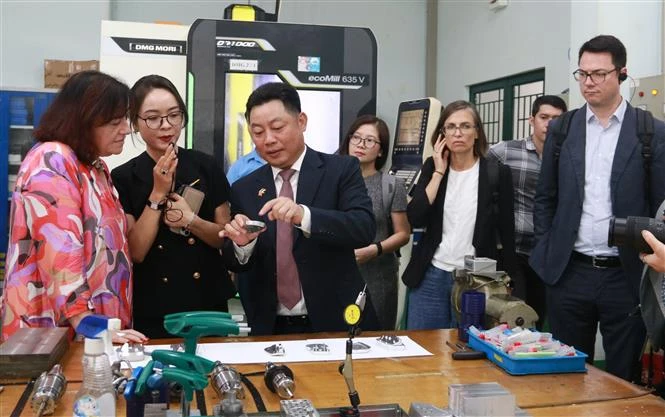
{"x": 505, "y": 104}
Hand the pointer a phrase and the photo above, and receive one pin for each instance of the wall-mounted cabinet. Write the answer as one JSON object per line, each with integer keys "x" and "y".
{"x": 20, "y": 112}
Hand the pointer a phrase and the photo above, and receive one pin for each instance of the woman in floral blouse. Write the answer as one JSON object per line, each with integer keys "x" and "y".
{"x": 68, "y": 255}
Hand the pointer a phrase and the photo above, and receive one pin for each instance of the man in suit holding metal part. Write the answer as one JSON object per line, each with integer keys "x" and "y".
{"x": 316, "y": 211}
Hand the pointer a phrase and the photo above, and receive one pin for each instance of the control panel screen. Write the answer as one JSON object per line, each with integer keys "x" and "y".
{"x": 410, "y": 127}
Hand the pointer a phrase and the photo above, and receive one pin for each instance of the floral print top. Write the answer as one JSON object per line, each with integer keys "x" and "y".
{"x": 67, "y": 250}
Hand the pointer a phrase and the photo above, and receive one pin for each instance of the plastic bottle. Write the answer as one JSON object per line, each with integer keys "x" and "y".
{"x": 96, "y": 396}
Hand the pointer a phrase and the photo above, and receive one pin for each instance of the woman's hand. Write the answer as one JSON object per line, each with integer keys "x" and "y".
{"x": 656, "y": 260}
{"x": 366, "y": 254}
{"x": 440, "y": 158}
{"x": 127, "y": 336}
{"x": 163, "y": 173}
{"x": 440, "y": 154}
{"x": 176, "y": 206}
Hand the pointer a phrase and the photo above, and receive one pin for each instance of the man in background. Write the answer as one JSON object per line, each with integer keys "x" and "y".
{"x": 524, "y": 156}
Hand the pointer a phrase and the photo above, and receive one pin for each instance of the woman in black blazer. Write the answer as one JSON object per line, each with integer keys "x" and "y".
{"x": 463, "y": 211}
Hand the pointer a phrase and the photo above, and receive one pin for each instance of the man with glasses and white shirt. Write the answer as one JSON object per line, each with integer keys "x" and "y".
{"x": 599, "y": 173}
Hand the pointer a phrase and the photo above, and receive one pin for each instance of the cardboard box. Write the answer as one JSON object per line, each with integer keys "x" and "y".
{"x": 56, "y": 72}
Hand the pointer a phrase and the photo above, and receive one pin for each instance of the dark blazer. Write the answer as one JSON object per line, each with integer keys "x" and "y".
{"x": 179, "y": 273}
{"x": 332, "y": 187}
{"x": 558, "y": 202}
{"x": 430, "y": 216}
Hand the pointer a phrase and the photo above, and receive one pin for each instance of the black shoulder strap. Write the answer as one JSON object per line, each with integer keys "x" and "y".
{"x": 645, "y": 128}
{"x": 493, "y": 177}
{"x": 560, "y": 133}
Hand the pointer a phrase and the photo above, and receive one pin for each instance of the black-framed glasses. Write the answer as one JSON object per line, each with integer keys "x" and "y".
{"x": 597, "y": 76}
{"x": 450, "y": 129}
{"x": 172, "y": 214}
{"x": 175, "y": 119}
{"x": 369, "y": 141}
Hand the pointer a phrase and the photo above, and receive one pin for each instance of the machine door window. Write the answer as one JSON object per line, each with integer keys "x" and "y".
{"x": 505, "y": 104}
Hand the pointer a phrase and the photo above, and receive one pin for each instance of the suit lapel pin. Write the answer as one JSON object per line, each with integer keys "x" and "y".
{"x": 261, "y": 192}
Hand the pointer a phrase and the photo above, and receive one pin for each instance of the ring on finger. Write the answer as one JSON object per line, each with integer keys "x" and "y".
{"x": 164, "y": 172}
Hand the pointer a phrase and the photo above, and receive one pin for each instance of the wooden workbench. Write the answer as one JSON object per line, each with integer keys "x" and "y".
{"x": 418, "y": 379}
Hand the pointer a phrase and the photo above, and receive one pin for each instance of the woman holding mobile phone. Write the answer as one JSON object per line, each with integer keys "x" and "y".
{"x": 175, "y": 249}
{"x": 464, "y": 211}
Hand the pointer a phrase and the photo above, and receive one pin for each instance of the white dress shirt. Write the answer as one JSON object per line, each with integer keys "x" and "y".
{"x": 601, "y": 143}
{"x": 245, "y": 252}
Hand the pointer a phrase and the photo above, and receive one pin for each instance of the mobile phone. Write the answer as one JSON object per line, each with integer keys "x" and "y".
{"x": 254, "y": 226}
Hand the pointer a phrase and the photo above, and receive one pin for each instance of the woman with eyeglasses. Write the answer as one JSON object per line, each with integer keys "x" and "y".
{"x": 68, "y": 255}
{"x": 464, "y": 212}
{"x": 175, "y": 249}
{"x": 368, "y": 139}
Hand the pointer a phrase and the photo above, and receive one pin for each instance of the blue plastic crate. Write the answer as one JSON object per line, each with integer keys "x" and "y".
{"x": 528, "y": 366}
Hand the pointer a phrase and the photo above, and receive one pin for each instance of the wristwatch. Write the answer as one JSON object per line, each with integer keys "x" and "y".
{"x": 155, "y": 206}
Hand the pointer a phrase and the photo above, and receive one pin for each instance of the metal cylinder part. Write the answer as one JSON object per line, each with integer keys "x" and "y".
{"x": 49, "y": 388}
{"x": 225, "y": 379}
{"x": 279, "y": 379}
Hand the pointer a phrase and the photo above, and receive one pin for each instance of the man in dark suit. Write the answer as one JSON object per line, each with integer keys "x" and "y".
{"x": 316, "y": 210}
{"x": 600, "y": 174}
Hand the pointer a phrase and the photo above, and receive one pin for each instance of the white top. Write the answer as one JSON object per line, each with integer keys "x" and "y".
{"x": 459, "y": 219}
{"x": 601, "y": 143}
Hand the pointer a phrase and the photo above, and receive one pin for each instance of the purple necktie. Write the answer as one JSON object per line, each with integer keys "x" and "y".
{"x": 288, "y": 282}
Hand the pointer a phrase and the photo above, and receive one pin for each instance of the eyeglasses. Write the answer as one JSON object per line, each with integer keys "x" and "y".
{"x": 175, "y": 119}
{"x": 369, "y": 142}
{"x": 172, "y": 214}
{"x": 452, "y": 128}
{"x": 597, "y": 77}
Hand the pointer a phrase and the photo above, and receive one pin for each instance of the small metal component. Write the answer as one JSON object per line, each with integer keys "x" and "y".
{"x": 360, "y": 347}
{"x": 297, "y": 408}
{"x": 225, "y": 380}
{"x": 155, "y": 410}
{"x": 279, "y": 379}
{"x": 178, "y": 347}
{"x": 119, "y": 384}
{"x": 254, "y": 226}
{"x": 276, "y": 350}
{"x": 48, "y": 390}
{"x": 391, "y": 341}
{"x": 318, "y": 348}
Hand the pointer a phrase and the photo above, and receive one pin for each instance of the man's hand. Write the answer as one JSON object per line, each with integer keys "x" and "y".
{"x": 235, "y": 231}
{"x": 656, "y": 260}
{"x": 366, "y": 254}
{"x": 284, "y": 209}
